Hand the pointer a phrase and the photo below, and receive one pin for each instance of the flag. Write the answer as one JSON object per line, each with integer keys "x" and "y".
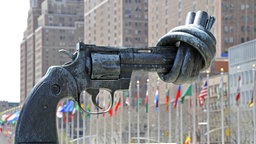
{"x": 203, "y": 94}
{"x": 137, "y": 103}
{"x": 177, "y": 97}
{"x": 59, "y": 114}
{"x": 117, "y": 104}
{"x": 219, "y": 91}
{"x": 251, "y": 101}
{"x": 68, "y": 107}
{"x": 89, "y": 110}
{"x": 76, "y": 108}
{"x": 167, "y": 98}
{"x": 127, "y": 101}
{"x": 97, "y": 102}
{"x": 188, "y": 92}
{"x": 188, "y": 139}
{"x": 14, "y": 116}
{"x": 238, "y": 90}
{"x": 146, "y": 101}
{"x": 156, "y": 100}
{"x": 65, "y": 119}
{"x": 82, "y": 113}
{"x": 7, "y": 117}
{"x": 110, "y": 111}
{"x": 104, "y": 106}
{"x": 3, "y": 117}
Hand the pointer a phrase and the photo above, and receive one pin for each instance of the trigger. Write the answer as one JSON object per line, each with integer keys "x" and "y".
{"x": 94, "y": 93}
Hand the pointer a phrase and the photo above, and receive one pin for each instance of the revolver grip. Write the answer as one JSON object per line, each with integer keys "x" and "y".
{"x": 37, "y": 120}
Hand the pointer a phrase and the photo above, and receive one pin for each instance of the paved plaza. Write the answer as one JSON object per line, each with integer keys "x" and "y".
{"x": 4, "y": 139}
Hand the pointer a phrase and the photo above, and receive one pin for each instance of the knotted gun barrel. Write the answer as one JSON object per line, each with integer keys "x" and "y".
{"x": 196, "y": 47}
{"x": 178, "y": 57}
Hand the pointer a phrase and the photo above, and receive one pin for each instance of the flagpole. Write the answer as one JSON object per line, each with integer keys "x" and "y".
{"x": 72, "y": 128}
{"x": 83, "y": 124}
{"x": 158, "y": 113}
{"x": 61, "y": 123}
{"x": 222, "y": 109}
{"x": 181, "y": 123}
{"x": 238, "y": 124}
{"x": 254, "y": 103}
{"x": 67, "y": 125}
{"x": 238, "y": 112}
{"x": 208, "y": 110}
{"x": 97, "y": 130}
{"x": 77, "y": 124}
{"x": 194, "y": 114}
{"x": 148, "y": 114}
{"x": 177, "y": 125}
{"x": 57, "y": 121}
{"x": 170, "y": 120}
{"x": 104, "y": 122}
{"x": 138, "y": 113}
{"x": 90, "y": 128}
{"x": 121, "y": 117}
{"x": 112, "y": 122}
{"x": 129, "y": 114}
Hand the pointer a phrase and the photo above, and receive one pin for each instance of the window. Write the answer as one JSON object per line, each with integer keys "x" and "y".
{"x": 243, "y": 6}
{"x": 245, "y": 28}
{"x": 242, "y": 40}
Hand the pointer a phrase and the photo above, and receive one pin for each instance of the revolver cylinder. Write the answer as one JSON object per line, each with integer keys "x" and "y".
{"x": 122, "y": 62}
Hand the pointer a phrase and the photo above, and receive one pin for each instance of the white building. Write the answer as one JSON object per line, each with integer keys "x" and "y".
{"x": 242, "y": 62}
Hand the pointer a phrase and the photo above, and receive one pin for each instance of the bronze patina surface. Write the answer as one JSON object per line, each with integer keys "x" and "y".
{"x": 178, "y": 57}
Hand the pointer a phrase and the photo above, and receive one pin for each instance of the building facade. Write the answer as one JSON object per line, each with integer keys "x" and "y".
{"x": 235, "y": 20}
{"x": 122, "y": 23}
{"x": 52, "y": 25}
{"x": 242, "y": 60}
{"x": 5, "y": 105}
{"x": 118, "y": 23}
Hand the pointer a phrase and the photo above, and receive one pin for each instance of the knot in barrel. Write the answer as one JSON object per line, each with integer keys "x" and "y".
{"x": 196, "y": 48}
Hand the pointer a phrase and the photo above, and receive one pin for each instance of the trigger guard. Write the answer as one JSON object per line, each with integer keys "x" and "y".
{"x": 102, "y": 112}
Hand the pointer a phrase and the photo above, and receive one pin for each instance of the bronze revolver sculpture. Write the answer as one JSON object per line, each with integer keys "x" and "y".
{"x": 178, "y": 57}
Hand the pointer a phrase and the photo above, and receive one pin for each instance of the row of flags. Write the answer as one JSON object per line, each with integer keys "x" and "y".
{"x": 72, "y": 107}
{"x": 179, "y": 98}
{"x": 204, "y": 93}
{"x": 10, "y": 118}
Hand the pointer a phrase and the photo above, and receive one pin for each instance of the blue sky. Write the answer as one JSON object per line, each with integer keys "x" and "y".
{"x": 13, "y": 23}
